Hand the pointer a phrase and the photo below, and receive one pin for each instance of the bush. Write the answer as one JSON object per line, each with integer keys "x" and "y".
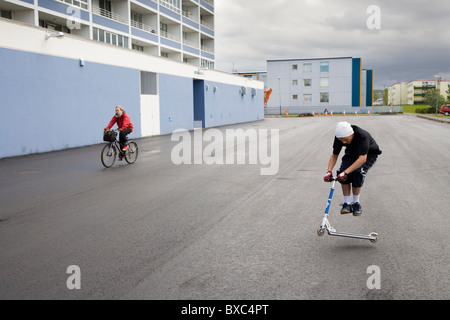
{"x": 425, "y": 110}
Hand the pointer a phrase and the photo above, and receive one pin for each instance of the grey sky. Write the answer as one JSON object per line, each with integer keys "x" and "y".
{"x": 413, "y": 42}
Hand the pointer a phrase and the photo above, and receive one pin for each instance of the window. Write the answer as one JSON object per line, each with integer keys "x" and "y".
{"x": 324, "y": 97}
{"x": 307, "y": 82}
{"x": 294, "y": 82}
{"x": 294, "y": 67}
{"x": 307, "y": 98}
{"x": 324, "y": 67}
{"x": 6, "y": 14}
{"x": 110, "y": 38}
{"x": 294, "y": 97}
{"x": 163, "y": 28}
{"x": 137, "y": 47}
{"x": 78, "y": 3}
{"x": 148, "y": 83}
{"x": 307, "y": 67}
{"x": 324, "y": 82}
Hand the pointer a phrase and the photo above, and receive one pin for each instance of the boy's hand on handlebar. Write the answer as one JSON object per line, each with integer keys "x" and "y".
{"x": 328, "y": 176}
{"x": 342, "y": 176}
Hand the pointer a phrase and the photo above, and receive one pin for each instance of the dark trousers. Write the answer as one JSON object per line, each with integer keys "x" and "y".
{"x": 357, "y": 177}
{"x": 123, "y": 137}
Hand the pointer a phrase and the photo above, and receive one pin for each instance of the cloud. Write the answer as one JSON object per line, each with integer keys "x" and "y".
{"x": 412, "y": 43}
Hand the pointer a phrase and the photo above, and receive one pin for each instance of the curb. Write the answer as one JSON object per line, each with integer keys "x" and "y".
{"x": 434, "y": 119}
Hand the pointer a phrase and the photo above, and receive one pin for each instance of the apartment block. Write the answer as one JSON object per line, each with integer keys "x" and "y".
{"x": 413, "y": 92}
{"x": 180, "y": 30}
{"x": 322, "y": 83}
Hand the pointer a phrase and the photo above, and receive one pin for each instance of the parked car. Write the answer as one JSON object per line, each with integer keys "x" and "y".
{"x": 445, "y": 109}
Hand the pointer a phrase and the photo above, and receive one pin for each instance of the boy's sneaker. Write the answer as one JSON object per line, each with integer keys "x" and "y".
{"x": 125, "y": 148}
{"x": 346, "y": 208}
{"x": 356, "y": 209}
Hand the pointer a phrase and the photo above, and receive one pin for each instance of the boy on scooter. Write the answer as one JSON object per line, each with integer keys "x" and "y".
{"x": 361, "y": 153}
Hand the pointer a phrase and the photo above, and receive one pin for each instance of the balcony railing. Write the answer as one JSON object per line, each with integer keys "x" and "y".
{"x": 143, "y": 26}
{"x": 207, "y": 24}
{"x": 191, "y": 43}
{"x": 210, "y": 2}
{"x": 109, "y": 14}
{"x": 189, "y": 15}
{"x": 170, "y": 36}
{"x": 169, "y": 6}
{"x": 207, "y": 49}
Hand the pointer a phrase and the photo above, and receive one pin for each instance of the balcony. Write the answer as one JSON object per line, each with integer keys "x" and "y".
{"x": 110, "y": 15}
{"x": 169, "y": 6}
{"x": 142, "y": 26}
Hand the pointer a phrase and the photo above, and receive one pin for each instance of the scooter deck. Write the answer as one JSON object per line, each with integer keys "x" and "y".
{"x": 372, "y": 237}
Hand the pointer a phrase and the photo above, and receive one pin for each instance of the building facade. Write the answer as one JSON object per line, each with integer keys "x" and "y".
{"x": 304, "y": 85}
{"x": 180, "y": 30}
{"x": 413, "y": 92}
{"x": 59, "y": 90}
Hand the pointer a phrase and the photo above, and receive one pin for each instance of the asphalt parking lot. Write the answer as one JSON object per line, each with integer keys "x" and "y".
{"x": 157, "y": 230}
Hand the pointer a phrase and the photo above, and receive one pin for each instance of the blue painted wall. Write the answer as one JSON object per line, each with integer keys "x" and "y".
{"x": 50, "y": 103}
{"x": 176, "y": 100}
{"x": 356, "y": 82}
{"x": 227, "y": 106}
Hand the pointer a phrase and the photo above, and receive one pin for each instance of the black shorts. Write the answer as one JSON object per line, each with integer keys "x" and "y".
{"x": 357, "y": 177}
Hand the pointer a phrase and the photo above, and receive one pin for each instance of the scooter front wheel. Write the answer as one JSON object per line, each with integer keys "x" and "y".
{"x": 320, "y": 231}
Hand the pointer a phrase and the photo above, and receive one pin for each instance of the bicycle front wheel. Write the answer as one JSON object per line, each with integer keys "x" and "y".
{"x": 132, "y": 152}
{"x": 108, "y": 155}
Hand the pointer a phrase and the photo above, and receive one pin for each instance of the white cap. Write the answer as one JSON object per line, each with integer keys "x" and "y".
{"x": 343, "y": 129}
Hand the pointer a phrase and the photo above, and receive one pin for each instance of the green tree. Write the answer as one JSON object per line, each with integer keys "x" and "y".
{"x": 448, "y": 94}
{"x": 385, "y": 97}
{"x": 430, "y": 99}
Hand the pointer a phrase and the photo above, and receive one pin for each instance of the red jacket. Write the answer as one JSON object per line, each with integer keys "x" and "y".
{"x": 123, "y": 122}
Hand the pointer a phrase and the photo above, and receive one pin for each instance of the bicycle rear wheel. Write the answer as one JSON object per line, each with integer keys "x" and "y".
{"x": 108, "y": 155}
{"x": 132, "y": 152}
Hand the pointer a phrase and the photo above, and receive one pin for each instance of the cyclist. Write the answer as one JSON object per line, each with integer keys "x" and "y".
{"x": 361, "y": 153}
{"x": 124, "y": 124}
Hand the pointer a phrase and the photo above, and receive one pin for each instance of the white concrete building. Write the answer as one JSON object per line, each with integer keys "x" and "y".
{"x": 181, "y": 30}
{"x": 303, "y": 85}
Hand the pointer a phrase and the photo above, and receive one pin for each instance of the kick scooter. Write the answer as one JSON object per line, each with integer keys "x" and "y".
{"x": 373, "y": 237}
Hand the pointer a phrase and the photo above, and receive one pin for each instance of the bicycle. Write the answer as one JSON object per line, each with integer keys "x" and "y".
{"x": 109, "y": 151}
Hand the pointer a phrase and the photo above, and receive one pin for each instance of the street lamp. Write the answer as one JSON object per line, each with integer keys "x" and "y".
{"x": 279, "y": 92}
{"x": 437, "y": 93}
{"x": 58, "y": 35}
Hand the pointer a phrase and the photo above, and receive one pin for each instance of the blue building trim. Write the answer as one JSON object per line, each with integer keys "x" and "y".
{"x": 191, "y": 23}
{"x": 356, "y": 82}
{"x": 207, "y": 55}
{"x": 109, "y": 23}
{"x": 143, "y": 34}
{"x": 149, "y": 3}
{"x": 207, "y": 6}
{"x": 170, "y": 43}
{"x": 60, "y": 7}
{"x": 207, "y": 30}
{"x": 170, "y": 13}
{"x": 28, "y": 1}
{"x": 369, "y": 88}
{"x": 191, "y": 50}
